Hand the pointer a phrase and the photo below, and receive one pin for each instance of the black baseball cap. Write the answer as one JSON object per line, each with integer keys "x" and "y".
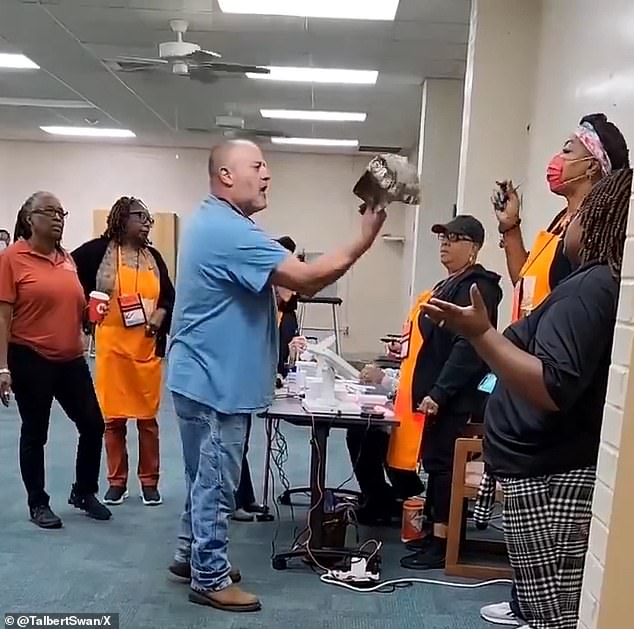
{"x": 462, "y": 225}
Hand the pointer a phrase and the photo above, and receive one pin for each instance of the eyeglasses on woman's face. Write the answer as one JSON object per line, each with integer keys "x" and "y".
{"x": 51, "y": 211}
{"x": 454, "y": 238}
{"x": 143, "y": 217}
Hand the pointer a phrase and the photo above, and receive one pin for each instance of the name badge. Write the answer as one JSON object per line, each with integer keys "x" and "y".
{"x": 132, "y": 312}
{"x": 529, "y": 283}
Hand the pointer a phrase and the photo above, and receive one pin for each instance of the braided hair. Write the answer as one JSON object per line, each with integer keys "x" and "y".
{"x": 603, "y": 218}
{"x": 22, "y": 227}
{"x": 118, "y": 218}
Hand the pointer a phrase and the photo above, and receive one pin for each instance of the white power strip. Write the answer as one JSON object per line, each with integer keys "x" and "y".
{"x": 358, "y": 572}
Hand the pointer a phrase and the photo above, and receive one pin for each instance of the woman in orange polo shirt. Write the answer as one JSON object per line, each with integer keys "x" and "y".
{"x": 42, "y": 307}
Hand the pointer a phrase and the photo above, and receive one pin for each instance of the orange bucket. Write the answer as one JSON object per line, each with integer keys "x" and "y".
{"x": 412, "y": 523}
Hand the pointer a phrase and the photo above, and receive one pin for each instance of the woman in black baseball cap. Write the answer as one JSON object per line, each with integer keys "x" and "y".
{"x": 435, "y": 398}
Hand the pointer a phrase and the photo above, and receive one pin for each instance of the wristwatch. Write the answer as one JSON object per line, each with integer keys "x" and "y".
{"x": 5, "y": 372}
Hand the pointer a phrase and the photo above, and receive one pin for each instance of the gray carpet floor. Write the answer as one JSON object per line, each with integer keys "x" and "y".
{"x": 120, "y": 566}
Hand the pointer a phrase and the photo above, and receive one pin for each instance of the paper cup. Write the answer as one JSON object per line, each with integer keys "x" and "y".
{"x": 97, "y": 306}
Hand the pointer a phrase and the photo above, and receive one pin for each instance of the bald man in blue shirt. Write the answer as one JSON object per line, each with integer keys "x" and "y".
{"x": 223, "y": 352}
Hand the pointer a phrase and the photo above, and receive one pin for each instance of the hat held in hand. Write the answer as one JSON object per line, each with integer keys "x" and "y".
{"x": 388, "y": 178}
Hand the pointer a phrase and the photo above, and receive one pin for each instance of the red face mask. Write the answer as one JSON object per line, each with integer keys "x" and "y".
{"x": 555, "y": 173}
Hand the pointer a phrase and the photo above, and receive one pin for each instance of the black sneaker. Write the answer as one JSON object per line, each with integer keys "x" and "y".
{"x": 431, "y": 558}
{"x": 89, "y": 504}
{"x": 151, "y": 496}
{"x": 183, "y": 571}
{"x": 417, "y": 545}
{"x": 115, "y": 495}
{"x": 44, "y": 517}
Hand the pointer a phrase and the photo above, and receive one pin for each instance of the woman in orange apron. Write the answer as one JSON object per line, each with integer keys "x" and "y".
{"x": 594, "y": 150}
{"x": 439, "y": 376}
{"x": 130, "y": 340}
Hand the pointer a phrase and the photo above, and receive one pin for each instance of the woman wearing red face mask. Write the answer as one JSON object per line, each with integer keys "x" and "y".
{"x": 594, "y": 150}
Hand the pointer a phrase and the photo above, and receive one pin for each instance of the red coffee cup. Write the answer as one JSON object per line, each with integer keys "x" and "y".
{"x": 97, "y": 306}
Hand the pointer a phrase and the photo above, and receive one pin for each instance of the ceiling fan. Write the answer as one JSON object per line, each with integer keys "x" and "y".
{"x": 234, "y": 127}
{"x": 183, "y": 59}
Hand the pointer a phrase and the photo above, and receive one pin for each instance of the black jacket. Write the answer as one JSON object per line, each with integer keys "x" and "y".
{"x": 88, "y": 257}
{"x": 448, "y": 369}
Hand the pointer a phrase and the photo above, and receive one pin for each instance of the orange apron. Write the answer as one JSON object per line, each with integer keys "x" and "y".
{"x": 127, "y": 370}
{"x": 534, "y": 283}
{"x": 406, "y": 438}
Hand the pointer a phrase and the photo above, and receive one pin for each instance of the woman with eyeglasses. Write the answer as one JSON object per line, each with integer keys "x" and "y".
{"x": 42, "y": 306}
{"x": 437, "y": 391}
{"x": 130, "y": 341}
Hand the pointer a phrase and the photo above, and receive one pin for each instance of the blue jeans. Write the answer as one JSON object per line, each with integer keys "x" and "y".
{"x": 213, "y": 444}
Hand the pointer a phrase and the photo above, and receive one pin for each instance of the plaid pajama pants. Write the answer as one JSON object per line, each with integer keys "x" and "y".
{"x": 485, "y": 500}
{"x": 546, "y": 529}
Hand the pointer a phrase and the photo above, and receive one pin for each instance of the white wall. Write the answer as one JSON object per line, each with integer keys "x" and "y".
{"x": 438, "y": 162}
{"x": 310, "y": 199}
{"x": 498, "y": 101}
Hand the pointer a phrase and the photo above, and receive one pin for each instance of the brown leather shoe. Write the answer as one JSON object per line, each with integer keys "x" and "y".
{"x": 230, "y": 599}
{"x": 183, "y": 571}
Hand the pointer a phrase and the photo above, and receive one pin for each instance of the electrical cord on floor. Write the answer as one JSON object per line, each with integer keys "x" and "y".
{"x": 358, "y": 457}
{"x": 350, "y": 512}
{"x": 279, "y": 456}
{"x": 406, "y": 581}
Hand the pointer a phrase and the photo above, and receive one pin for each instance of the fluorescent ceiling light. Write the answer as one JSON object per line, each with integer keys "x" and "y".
{"x": 311, "y": 114}
{"x": 89, "y": 132}
{"x": 315, "y": 142}
{"x": 16, "y": 61}
{"x": 50, "y": 103}
{"x": 336, "y": 9}
{"x": 318, "y": 75}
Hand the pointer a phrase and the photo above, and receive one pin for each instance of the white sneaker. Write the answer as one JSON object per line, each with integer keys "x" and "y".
{"x": 501, "y": 614}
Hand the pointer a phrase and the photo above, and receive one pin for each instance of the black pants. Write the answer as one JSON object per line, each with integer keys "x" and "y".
{"x": 245, "y": 496}
{"x": 289, "y": 329}
{"x": 439, "y": 442}
{"x": 368, "y": 452}
{"x": 36, "y": 382}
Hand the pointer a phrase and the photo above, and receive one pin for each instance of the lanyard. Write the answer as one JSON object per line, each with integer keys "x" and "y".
{"x": 136, "y": 276}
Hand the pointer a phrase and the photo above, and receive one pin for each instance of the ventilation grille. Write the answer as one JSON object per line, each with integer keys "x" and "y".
{"x": 368, "y": 148}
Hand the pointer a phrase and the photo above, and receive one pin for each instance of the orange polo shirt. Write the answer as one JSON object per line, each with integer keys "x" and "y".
{"x": 47, "y": 298}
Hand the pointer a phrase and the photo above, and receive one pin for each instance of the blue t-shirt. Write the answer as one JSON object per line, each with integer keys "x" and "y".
{"x": 224, "y": 345}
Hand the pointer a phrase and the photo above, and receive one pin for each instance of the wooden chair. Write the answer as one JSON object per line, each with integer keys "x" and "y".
{"x": 467, "y": 475}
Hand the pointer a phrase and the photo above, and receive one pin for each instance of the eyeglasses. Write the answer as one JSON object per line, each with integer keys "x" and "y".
{"x": 51, "y": 212}
{"x": 454, "y": 238}
{"x": 143, "y": 217}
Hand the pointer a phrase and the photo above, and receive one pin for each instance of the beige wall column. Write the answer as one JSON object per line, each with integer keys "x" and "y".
{"x": 499, "y": 87}
{"x": 438, "y": 160}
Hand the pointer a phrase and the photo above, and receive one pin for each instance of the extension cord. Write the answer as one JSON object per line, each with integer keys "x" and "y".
{"x": 358, "y": 572}
{"x": 329, "y": 579}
